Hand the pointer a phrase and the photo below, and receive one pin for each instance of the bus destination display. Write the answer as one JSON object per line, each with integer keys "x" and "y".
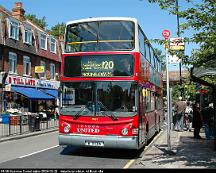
{"x": 91, "y": 67}
{"x": 99, "y": 65}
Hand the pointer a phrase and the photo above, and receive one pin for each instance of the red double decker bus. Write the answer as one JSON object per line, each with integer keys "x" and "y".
{"x": 111, "y": 85}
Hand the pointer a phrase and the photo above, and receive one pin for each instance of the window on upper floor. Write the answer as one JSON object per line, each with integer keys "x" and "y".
{"x": 27, "y": 35}
{"x": 43, "y": 41}
{"x": 52, "y": 71}
{"x": 12, "y": 62}
{"x": 141, "y": 42}
{"x": 42, "y": 63}
{"x": 13, "y": 29}
{"x": 52, "y": 45}
{"x": 26, "y": 66}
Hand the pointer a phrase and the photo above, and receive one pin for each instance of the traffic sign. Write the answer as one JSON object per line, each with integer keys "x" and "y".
{"x": 166, "y": 34}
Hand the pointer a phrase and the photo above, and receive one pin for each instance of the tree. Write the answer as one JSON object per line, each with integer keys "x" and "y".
{"x": 40, "y": 22}
{"x": 162, "y": 58}
{"x": 58, "y": 30}
{"x": 201, "y": 18}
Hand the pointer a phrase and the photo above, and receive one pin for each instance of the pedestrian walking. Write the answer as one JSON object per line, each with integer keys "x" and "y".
{"x": 57, "y": 113}
{"x": 197, "y": 120}
{"x": 188, "y": 117}
{"x": 208, "y": 114}
{"x": 180, "y": 107}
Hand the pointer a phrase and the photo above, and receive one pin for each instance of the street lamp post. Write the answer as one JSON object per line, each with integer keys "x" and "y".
{"x": 166, "y": 35}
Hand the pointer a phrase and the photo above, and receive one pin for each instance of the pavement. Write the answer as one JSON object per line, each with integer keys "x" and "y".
{"x": 185, "y": 152}
{"x": 29, "y": 134}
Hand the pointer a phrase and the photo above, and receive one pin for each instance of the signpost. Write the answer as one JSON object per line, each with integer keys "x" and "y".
{"x": 177, "y": 43}
{"x": 166, "y": 35}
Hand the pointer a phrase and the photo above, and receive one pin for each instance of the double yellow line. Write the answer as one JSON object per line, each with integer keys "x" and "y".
{"x": 130, "y": 162}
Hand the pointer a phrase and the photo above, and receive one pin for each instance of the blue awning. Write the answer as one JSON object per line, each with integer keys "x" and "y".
{"x": 51, "y": 92}
{"x": 32, "y": 93}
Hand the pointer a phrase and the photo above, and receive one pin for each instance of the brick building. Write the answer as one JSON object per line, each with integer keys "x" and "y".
{"x": 174, "y": 76}
{"x": 23, "y": 46}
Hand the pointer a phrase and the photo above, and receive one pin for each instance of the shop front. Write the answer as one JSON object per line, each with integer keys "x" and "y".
{"x": 25, "y": 94}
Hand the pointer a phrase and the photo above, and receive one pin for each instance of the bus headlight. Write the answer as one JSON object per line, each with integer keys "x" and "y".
{"x": 67, "y": 128}
{"x": 124, "y": 131}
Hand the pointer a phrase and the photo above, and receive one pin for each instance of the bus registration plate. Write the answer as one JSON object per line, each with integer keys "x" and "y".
{"x": 94, "y": 143}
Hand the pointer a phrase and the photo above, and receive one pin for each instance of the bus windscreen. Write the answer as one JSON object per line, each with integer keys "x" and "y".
{"x": 98, "y": 98}
{"x": 99, "y": 65}
{"x": 99, "y": 36}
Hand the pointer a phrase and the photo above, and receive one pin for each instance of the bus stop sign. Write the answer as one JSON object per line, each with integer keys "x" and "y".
{"x": 166, "y": 34}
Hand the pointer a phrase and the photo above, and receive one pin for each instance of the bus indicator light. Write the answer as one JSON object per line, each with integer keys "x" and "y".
{"x": 95, "y": 119}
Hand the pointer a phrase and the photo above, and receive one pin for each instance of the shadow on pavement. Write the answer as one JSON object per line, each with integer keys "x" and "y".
{"x": 197, "y": 152}
{"x": 186, "y": 152}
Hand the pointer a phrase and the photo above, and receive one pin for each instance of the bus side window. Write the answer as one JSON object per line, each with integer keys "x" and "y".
{"x": 141, "y": 42}
{"x": 148, "y": 101}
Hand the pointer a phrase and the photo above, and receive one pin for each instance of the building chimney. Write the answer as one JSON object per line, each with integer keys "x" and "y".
{"x": 18, "y": 12}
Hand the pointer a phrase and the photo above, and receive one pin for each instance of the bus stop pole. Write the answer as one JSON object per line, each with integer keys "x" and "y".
{"x": 168, "y": 100}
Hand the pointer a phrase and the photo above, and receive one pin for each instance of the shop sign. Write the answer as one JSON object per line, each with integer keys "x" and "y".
{"x": 48, "y": 84}
{"x": 14, "y": 80}
{"x": 39, "y": 69}
{"x": 25, "y": 81}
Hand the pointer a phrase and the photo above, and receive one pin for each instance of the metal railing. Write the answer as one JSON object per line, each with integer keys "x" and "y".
{"x": 20, "y": 124}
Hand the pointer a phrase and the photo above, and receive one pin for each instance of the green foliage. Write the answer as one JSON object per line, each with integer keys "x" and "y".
{"x": 58, "y": 30}
{"x": 188, "y": 90}
{"x": 200, "y": 17}
{"x": 161, "y": 57}
{"x": 40, "y": 22}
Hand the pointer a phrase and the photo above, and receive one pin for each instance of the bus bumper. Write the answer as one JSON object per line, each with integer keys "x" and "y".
{"x": 99, "y": 141}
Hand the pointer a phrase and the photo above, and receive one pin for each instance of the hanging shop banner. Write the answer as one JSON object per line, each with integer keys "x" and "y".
{"x": 177, "y": 43}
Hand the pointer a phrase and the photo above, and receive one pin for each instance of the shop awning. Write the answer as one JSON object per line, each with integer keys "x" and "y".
{"x": 32, "y": 93}
{"x": 51, "y": 92}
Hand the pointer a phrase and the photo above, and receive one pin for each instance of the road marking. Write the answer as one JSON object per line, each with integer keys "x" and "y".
{"x": 38, "y": 151}
{"x": 130, "y": 162}
{"x": 155, "y": 138}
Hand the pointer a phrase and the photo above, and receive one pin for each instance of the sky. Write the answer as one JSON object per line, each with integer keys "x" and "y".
{"x": 151, "y": 18}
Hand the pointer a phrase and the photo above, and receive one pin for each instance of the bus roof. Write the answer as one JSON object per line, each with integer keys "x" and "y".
{"x": 92, "y": 19}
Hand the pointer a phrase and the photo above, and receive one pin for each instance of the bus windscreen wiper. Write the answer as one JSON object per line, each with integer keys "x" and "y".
{"x": 110, "y": 114}
{"x": 79, "y": 112}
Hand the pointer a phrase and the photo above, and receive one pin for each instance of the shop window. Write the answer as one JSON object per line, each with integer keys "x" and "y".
{"x": 26, "y": 66}
{"x": 52, "y": 71}
{"x": 12, "y": 62}
{"x": 42, "y": 63}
